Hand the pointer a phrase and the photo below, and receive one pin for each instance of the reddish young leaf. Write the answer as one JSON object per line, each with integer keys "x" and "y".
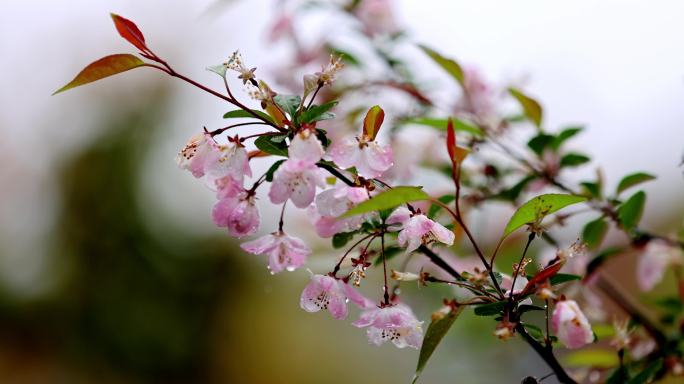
{"x": 105, "y": 67}
{"x": 542, "y": 276}
{"x": 129, "y": 31}
{"x": 373, "y": 121}
{"x": 451, "y": 139}
{"x": 456, "y": 153}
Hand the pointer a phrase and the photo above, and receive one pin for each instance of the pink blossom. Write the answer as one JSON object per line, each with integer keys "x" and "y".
{"x": 417, "y": 229}
{"x": 196, "y": 154}
{"x": 370, "y": 159}
{"x": 396, "y": 323}
{"x": 332, "y": 203}
{"x": 653, "y": 263}
{"x": 298, "y": 177}
{"x": 327, "y": 293}
{"x": 228, "y": 161}
{"x": 238, "y": 213}
{"x": 285, "y": 252}
{"x": 570, "y": 325}
{"x": 376, "y": 17}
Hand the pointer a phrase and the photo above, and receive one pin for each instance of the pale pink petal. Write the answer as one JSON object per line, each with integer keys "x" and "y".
{"x": 345, "y": 153}
{"x": 357, "y": 298}
{"x": 570, "y": 325}
{"x": 374, "y": 160}
{"x": 306, "y": 149}
{"x": 261, "y": 245}
{"x": 442, "y": 234}
{"x": 400, "y": 215}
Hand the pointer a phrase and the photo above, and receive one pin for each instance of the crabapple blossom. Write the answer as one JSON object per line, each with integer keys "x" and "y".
{"x": 332, "y": 203}
{"x": 417, "y": 229}
{"x": 654, "y": 261}
{"x": 285, "y": 252}
{"x": 570, "y": 324}
{"x": 228, "y": 161}
{"x": 329, "y": 72}
{"x": 196, "y": 154}
{"x": 297, "y": 178}
{"x": 376, "y": 17}
{"x": 395, "y": 323}
{"x": 236, "y": 63}
{"x": 328, "y": 293}
{"x": 237, "y": 213}
{"x": 370, "y": 159}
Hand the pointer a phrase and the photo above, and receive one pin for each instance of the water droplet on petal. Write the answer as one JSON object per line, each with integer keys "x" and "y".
{"x": 290, "y": 268}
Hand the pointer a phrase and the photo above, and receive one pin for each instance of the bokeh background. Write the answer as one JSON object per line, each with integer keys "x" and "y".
{"x": 110, "y": 268}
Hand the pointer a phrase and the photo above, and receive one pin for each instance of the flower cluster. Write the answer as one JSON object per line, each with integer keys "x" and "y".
{"x": 346, "y": 180}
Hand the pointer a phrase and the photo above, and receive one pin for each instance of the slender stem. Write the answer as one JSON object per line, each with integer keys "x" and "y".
{"x": 229, "y": 98}
{"x": 335, "y": 172}
{"x": 546, "y": 354}
{"x": 259, "y": 135}
{"x": 221, "y": 130}
{"x": 313, "y": 97}
{"x": 282, "y": 214}
{"x": 386, "y": 295}
{"x": 456, "y": 175}
{"x": 520, "y": 263}
{"x": 467, "y": 286}
{"x": 339, "y": 263}
{"x": 547, "y": 339}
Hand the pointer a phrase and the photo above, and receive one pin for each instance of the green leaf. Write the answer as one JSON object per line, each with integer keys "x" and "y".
{"x": 593, "y": 189}
{"x": 347, "y": 57}
{"x": 449, "y": 65}
{"x": 537, "y": 208}
{"x": 539, "y": 142}
{"x": 529, "y": 308}
{"x": 318, "y": 113}
{"x": 629, "y": 212}
{"x": 560, "y": 278}
{"x": 265, "y": 144}
{"x": 434, "y": 208}
{"x": 601, "y": 258}
{"x": 648, "y": 373}
{"x": 105, "y": 67}
{"x": 632, "y": 180}
{"x": 219, "y": 69}
{"x": 288, "y": 103}
{"x": 239, "y": 113}
{"x": 341, "y": 239}
{"x": 531, "y": 108}
{"x": 564, "y": 135}
{"x": 441, "y": 124}
{"x": 490, "y": 309}
{"x": 388, "y": 199}
{"x": 573, "y": 160}
{"x": 598, "y": 358}
{"x": 512, "y": 193}
{"x": 274, "y": 167}
{"x": 594, "y": 232}
{"x": 433, "y": 336}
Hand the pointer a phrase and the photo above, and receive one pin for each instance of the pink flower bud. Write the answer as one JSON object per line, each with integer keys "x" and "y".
{"x": 570, "y": 325}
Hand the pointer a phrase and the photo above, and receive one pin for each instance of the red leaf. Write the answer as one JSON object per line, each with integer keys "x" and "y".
{"x": 456, "y": 153}
{"x": 542, "y": 276}
{"x": 373, "y": 121}
{"x": 129, "y": 31}
{"x": 105, "y": 67}
{"x": 451, "y": 139}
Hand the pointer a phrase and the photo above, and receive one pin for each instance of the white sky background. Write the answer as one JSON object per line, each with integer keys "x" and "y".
{"x": 616, "y": 65}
